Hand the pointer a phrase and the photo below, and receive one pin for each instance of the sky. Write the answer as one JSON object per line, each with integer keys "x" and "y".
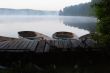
{"x": 54, "y": 5}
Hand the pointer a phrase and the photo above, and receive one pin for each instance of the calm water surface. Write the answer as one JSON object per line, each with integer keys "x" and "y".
{"x": 10, "y": 25}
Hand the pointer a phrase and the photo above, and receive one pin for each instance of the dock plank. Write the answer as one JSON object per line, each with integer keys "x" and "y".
{"x": 31, "y": 42}
{"x": 64, "y": 45}
{"x": 56, "y": 43}
{"x": 50, "y": 43}
{"x": 25, "y": 45}
{"x": 41, "y": 46}
{"x": 4, "y": 45}
{"x": 75, "y": 44}
{"x": 12, "y": 43}
{"x": 34, "y": 45}
{"x": 60, "y": 44}
{"x": 69, "y": 45}
{"x": 19, "y": 42}
{"x": 47, "y": 47}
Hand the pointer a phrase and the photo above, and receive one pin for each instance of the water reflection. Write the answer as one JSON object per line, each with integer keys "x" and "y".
{"x": 10, "y": 25}
{"x": 87, "y": 23}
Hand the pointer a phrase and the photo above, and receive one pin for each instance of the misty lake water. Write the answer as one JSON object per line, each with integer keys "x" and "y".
{"x": 10, "y": 25}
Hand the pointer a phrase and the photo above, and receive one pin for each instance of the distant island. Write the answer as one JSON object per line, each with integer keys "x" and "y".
{"x": 8, "y": 11}
{"x": 84, "y": 9}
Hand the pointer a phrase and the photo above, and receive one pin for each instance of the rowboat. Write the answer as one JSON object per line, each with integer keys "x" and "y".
{"x": 33, "y": 35}
{"x": 63, "y": 35}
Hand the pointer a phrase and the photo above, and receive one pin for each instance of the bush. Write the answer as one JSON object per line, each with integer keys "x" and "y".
{"x": 103, "y": 26}
{"x": 103, "y": 41}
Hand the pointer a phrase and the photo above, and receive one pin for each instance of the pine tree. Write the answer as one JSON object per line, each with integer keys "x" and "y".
{"x": 102, "y": 10}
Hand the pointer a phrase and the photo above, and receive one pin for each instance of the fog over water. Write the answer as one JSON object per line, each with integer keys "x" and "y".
{"x": 10, "y": 25}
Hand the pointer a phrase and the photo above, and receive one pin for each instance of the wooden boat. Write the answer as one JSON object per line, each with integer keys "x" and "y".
{"x": 33, "y": 35}
{"x": 63, "y": 35}
{"x": 4, "y": 38}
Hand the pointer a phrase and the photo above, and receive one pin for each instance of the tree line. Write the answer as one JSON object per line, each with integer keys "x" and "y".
{"x": 78, "y": 10}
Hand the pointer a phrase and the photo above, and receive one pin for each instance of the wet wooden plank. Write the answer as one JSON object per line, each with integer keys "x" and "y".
{"x": 2, "y": 44}
{"x": 56, "y": 43}
{"x": 34, "y": 45}
{"x": 23, "y": 44}
{"x": 75, "y": 44}
{"x": 64, "y": 45}
{"x": 51, "y": 43}
{"x": 31, "y": 42}
{"x": 19, "y": 42}
{"x": 12, "y": 44}
{"x": 5, "y": 45}
{"x": 47, "y": 48}
{"x": 69, "y": 45}
{"x": 60, "y": 43}
{"x": 41, "y": 46}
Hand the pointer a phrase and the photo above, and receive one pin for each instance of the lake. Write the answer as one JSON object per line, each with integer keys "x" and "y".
{"x": 10, "y": 25}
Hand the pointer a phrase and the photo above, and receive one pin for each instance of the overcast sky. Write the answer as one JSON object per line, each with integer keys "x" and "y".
{"x": 39, "y": 4}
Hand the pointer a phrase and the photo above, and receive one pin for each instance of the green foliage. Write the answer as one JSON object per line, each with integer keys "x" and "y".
{"x": 103, "y": 26}
{"x": 102, "y": 9}
{"x": 103, "y": 41}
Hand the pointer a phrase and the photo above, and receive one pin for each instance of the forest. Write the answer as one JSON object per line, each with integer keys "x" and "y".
{"x": 84, "y": 9}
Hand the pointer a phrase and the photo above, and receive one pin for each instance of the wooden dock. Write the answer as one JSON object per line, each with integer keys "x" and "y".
{"x": 42, "y": 46}
{"x": 38, "y": 46}
{"x": 48, "y": 51}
